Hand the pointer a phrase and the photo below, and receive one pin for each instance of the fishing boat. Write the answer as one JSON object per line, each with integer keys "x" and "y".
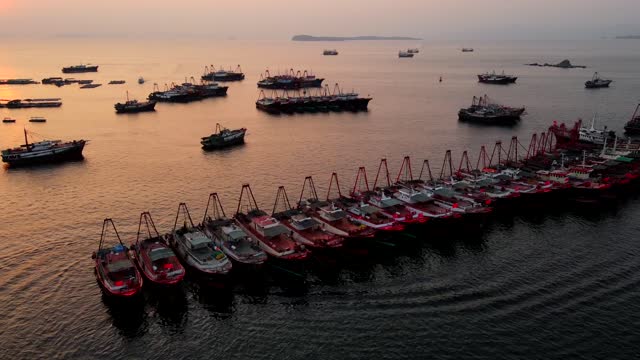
{"x": 331, "y": 52}
{"x": 486, "y": 112}
{"x": 43, "y": 152}
{"x": 306, "y": 231}
{"x": 155, "y": 259}
{"x": 597, "y": 82}
{"x": 493, "y": 78}
{"x": 80, "y": 69}
{"x": 135, "y": 106}
{"x": 223, "y": 137}
{"x": 211, "y": 74}
{"x": 405, "y": 54}
{"x": 413, "y": 51}
{"x": 274, "y": 238}
{"x": 188, "y": 92}
{"x": 141, "y": 80}
{"x": 380, "y": 196}
{"x": 116, "y": 82}
{"x": 53, "y": 81}
{"x": 243, "y": 250}
{"x": 195, "y": 249}
{"x": 32, "y": 103}
{"x": 323, "y": 101}
{"x": 632, "y": 127}
{"x": 114, "y": 269}
{"x": 89, "y": 86}
{"x": 17, "y": 82}
{"x": 290, "y": 80}
{"x": 467, "y": 49}
{"x": 8, "y": 120}
{"x": 37, "y": 119}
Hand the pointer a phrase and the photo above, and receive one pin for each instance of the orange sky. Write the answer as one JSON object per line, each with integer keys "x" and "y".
{"x": 282, "y": 18}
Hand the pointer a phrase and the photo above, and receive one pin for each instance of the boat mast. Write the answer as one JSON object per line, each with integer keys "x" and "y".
{"x": 26, "y": 142}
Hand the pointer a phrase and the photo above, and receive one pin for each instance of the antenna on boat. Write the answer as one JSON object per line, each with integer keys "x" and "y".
{"x": 253, "y": 205}
{"x": 217, "y": 208}
{"x": 105, "y": 225}
{"x": 360, "y": 177}
{"x": 281, "y": 196}
{"x": 406, "y": 169}
{"x": 312, "y": 189}
{"x": 146, "y": 216}
{"x": 182, "y": 208}
{"x": 425, "y": 164}
{"x": 334, "y": 176}
{"x": 383, "y": 162}
{"x": 447, "y": 160}
{"x": 26, "y": 141}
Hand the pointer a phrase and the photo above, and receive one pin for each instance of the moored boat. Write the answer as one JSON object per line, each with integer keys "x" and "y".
{"x": 597, "y": 82}
{"x": 114, "y": 269}
{"x": 306, "y": 230}
{"x": 486, "y": 112}
{"x": 242, "y": 249}
{"x": 331, "y": 52}
{"x": 42, "y": 152}
{"x": 80, "y": 68}
{"x": 197, "y": 250}
{"x": 211, "y": 74}
{"x": 32, "y": 103}
{"x": 274, "y": 238}
{"x": 632, "y": 127}
{"x": 404, "y": 54}
{"x": 223, "y": 137}
{"x": 135, "y": 106}
{"x": 155, "y": 259}
{"x": 8, "y": 120}
{"x": 291, "y": 80}
{"x": 493, "y": 78}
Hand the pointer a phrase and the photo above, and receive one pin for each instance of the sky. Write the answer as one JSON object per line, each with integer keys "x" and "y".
{"x": 281, "y": 19}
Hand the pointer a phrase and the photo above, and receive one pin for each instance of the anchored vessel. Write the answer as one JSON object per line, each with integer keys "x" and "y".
{"x": 195, "y": 248}
{"x": 32, "y": 103}
{"x": 330, "y": 52}
{"x": 493, "y": 78}
{"x": 223, "y": 137}
{"x": 405, "y": 54}
{"x": 188, "y": 92}
{"x": 597, "y": 82}
{"x": 484, "y": 111}
{"x": 17, "y": 82}
{"x": 135, "y": 106}
{"x": 291, "y": 80}
{"x": 243, "y": 250}
{"x": 211, "y": 74}
{"x": 115, "y": 271}
{"x": 274, "y": 238}
{"x": 467, "y": 49}
{"x": 80, "y": 69}
{"x": 48, "y": 151}
{"x": 155, "y": 259}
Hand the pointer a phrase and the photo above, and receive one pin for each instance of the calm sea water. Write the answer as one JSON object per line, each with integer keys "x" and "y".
{"x": 560, "y": 285}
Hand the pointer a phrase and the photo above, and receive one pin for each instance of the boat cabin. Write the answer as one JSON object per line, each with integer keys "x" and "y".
{"x": 269, "y": 227}
{"x": 303, "y": 222}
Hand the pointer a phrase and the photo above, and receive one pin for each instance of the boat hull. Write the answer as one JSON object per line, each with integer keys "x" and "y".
{"x": 73, "y": 153}
{"x": 124, "y": 109}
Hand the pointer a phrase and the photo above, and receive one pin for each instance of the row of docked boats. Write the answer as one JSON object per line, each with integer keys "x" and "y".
{"x": 460, "y": 201}
{"x": 308, "y": 102}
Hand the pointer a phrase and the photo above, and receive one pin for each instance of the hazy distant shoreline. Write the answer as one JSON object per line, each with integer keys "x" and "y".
{"x": 628, "y": 37}
{"x": 349, "y": 38}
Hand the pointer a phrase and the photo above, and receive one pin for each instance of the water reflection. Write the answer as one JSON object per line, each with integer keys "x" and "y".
{"x": 171, "y": 305}
{"x": 127, "y": 315}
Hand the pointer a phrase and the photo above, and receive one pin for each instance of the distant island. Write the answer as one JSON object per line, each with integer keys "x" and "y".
{"x": 564, "y": 64}
{"x": 349, "y": 38}
{"x": 628, "y": 37}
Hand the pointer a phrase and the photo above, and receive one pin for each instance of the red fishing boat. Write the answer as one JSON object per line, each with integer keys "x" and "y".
{"x": 306, "y": 231}
{"x": 157, "y": 262}
{"x": 335, "y": 219}
{"x": 115, "y": 271}
{"x": 274, "y": 238}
